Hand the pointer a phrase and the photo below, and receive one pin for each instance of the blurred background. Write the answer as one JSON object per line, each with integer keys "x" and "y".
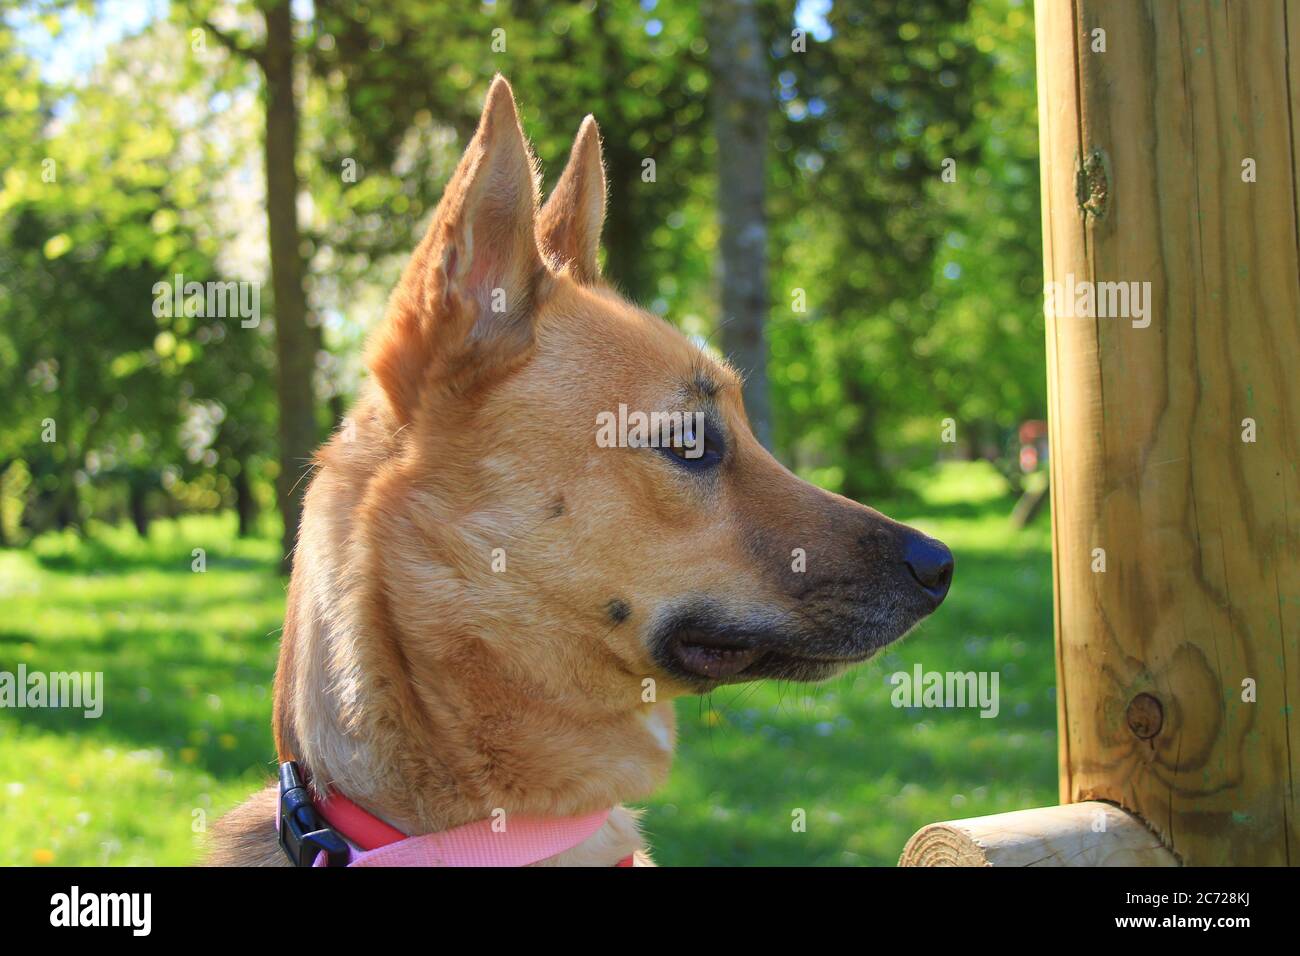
{"x": 840, "y": 194}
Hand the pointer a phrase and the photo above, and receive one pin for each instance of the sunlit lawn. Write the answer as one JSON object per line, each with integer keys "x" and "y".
{"x": 188, "y": 659}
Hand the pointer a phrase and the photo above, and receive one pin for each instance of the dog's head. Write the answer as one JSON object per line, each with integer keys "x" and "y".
{"x": 518, "y": 505}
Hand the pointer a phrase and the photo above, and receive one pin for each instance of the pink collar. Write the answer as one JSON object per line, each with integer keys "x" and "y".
{"x": 519, "y": 841}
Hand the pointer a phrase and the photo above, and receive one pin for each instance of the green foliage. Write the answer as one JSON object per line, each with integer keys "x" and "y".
{"x": 921, "y": 294}
{"x": 412, "y": 67}
{"x": 921, "y": 301}
{"x": 116, "y": 195}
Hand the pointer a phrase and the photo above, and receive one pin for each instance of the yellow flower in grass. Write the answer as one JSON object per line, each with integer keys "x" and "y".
{"x": 42, "y": 857}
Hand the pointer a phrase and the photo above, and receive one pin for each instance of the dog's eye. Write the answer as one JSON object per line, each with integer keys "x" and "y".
{"x": 693, "y": 450}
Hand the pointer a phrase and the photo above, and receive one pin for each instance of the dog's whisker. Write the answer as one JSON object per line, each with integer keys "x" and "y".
{"x": 312, "y": 467}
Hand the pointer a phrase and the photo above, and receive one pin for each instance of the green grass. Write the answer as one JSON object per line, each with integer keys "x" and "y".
{"x": 188, "y": 659}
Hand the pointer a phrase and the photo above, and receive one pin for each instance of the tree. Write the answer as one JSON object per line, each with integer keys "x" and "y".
{"x": 296, "y": 342}
{"x": 742, "y": 99}
{"x": 136, "y": 182}
{"x": 409, "y": 65}
{"x": 868, "y": 112}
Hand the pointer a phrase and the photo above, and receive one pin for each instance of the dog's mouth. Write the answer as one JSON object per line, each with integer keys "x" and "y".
{"x": 711, "y": 654}
{"x": 695, "y": 654}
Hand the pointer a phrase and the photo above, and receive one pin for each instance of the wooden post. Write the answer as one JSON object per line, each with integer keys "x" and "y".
{"x": 1169, "y": 156}
{"x": 1170, "y": 149}
{"x": 1080, "y": 834}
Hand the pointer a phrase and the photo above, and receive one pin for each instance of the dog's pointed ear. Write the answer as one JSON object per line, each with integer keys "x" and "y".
{"x": 568, "y": 229}
{"x": 464, "y": 305}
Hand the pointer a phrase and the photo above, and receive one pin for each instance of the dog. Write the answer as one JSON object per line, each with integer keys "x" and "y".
{"x": 490, "y": 614}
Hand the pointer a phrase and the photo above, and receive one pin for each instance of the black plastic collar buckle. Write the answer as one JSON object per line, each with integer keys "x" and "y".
{"x": 303, "y": 834}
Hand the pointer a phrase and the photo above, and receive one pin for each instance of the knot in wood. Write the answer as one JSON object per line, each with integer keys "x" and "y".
{"x": 1145, "y": 716}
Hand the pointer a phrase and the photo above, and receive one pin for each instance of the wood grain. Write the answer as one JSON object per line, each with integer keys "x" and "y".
{"x": 1200, "y": 529}
{"x": 1080, "y": 834}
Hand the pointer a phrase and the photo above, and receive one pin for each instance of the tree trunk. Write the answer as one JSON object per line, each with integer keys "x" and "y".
{"x": 623, "y": 235}
{"x": 294, "y": 341}
{"x": 245, "y": 503}
{"x": 741, "y": 97}
{"x": 4, "y": 469}
{"x": 866, "y": 477}
{"x": 136, "y": 488}
{"x": 65, "y": 510}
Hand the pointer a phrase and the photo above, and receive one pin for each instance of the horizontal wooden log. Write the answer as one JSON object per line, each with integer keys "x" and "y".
{"x": 1077, "y": 834}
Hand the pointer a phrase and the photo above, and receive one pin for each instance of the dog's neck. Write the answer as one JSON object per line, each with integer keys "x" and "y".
{"x": 463, "y": 759}
{"x": 431, "y": 734}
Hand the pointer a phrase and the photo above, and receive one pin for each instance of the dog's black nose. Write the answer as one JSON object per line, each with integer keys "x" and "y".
{"x": 930, "y": 562}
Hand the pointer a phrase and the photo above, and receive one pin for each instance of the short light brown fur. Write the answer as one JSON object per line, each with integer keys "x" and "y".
{"x": 434, "y": 688}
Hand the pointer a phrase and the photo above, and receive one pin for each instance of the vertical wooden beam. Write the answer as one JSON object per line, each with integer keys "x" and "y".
{"x": 1142, "y": 153}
